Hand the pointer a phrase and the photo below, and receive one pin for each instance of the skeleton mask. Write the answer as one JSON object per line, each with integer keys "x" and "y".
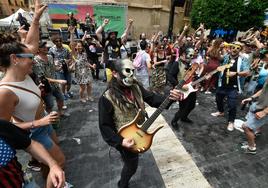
{"x": 127, "y": 72}
{"x": 189, "y": 53}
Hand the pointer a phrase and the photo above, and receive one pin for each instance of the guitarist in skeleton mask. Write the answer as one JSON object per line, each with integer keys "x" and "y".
{"x": 118, "y": 106}
{"x": 177, "y": 73}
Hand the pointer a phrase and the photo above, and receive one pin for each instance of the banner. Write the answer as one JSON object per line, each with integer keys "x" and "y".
{"x": 115, "y": 13}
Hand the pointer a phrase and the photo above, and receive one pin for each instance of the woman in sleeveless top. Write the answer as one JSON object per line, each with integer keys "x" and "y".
{"x": 214, "y": 55}
{"x": 20, "y": 97}
{"x": 158, "y": 71}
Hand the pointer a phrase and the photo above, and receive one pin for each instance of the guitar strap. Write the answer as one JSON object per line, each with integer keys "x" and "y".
{"x": 141, "y": 105}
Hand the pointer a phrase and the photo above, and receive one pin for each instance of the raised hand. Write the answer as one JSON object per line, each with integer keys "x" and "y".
{"x": 130, "y": 21}
{"x": 39, "y": 9}
{"x": 186, "y": 27}
{"x": 106, "y": 21}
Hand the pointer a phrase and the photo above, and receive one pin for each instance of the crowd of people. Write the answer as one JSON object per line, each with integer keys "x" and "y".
{"x": 34, "y": 73}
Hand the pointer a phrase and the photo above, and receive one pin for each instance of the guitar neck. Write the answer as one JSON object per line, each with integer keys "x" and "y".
{"x": 164, "y": 104}
{"x": 204, "y": 77}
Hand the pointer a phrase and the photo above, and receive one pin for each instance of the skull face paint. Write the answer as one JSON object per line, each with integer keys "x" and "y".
{"x": 189, "y": 54}
{"x": 127, "y": 72}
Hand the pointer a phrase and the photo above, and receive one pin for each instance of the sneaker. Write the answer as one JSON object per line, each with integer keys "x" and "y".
{"x": 64, "y": 107}
{"x": 66, "y": 97}
{"x": 217, "y": 114}
{"x": 90, "y": 99}
{"x": 207, "y": 92}
{"x": 174, "y": 124}
{"x": 83, "y": 100}
{"x": 187, "y": 120}
{"x": 245, "y": 145}
{"x": 34, "y": 166}
{"x": 68, "y": 185}
{"x": 230, "y": 126}
{"x": 70, "y": 94}
{"x": 65, "y": 115}
{"x": 246, "y": 149}
{"x": 257, "y": 134}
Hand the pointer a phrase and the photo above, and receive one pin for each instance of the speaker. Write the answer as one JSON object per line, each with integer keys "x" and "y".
{"x": 178, "y": 3}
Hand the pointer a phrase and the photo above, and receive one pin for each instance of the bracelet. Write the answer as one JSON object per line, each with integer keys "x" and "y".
{"x": 32, "y": 125}
{"x": 35, "y": 23}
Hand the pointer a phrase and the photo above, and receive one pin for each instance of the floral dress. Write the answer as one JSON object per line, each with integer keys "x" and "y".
{"x": 82, "y": 70}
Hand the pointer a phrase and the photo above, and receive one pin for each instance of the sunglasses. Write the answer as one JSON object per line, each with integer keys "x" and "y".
{"x": 236, "y": 48}
{"x": 30, "y": 56}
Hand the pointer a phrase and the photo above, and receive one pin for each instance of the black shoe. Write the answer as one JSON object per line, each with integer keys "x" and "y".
{"x": 118, "y": 184}
{"x": 187, "y": 120}
{"x": 174, "y": 124}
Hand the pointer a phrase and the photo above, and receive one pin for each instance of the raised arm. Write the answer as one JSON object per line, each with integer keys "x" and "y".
{"x": 101, "y": 29}
{"x": 202, "y": 29}
{"x": 186, "y": 27}
{"x": 125, "y": 34}
{"x": 72, "y": 43}
{"x": 32, "y": 38}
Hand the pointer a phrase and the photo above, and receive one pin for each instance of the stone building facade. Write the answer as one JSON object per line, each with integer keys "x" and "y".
{"x": 8, "y": 7}
{"x": 152, "y": 16}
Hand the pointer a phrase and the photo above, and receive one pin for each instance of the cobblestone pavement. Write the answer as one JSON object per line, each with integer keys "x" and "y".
{"x": 92, "y": 164}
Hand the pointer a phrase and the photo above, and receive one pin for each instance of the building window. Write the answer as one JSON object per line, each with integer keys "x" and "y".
{"x": 188, "y": 8}
{"x": 10, "y": 2}
{"x": 26, "y": 3}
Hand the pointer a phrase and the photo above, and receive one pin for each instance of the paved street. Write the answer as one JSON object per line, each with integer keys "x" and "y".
{"x": 213, "y": 153}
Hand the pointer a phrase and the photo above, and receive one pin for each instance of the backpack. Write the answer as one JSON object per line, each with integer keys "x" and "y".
{"x": 137, "y": 62}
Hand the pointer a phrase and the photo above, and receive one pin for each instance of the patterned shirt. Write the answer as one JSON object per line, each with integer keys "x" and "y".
{"x": 59, "y": 54}
{"x": 6, "y": 153}
{"x": 47, "y": 69}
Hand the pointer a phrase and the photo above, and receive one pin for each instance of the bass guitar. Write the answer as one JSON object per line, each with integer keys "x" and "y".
{"x": 142, "y": 138}
{"x": 188, "y": 88}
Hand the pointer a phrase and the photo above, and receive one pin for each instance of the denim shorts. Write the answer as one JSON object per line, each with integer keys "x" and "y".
{"x": 252, "y": 122}
{"x": 49, "y": 100}
{"x": 42, "y": 135}
{"x": 62, "y": 76}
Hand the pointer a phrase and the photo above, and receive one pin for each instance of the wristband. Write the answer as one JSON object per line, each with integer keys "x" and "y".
{"x": 32, "y": 125}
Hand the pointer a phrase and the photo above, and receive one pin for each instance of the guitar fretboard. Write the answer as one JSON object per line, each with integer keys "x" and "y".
{"x": 203, "y": 78}
{"x": 164, "y": 104}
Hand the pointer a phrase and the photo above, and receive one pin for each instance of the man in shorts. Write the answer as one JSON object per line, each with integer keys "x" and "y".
{"x": 256, "y": 117}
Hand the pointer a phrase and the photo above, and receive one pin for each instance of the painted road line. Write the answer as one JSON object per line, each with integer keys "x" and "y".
{"x": 174, "y": 162}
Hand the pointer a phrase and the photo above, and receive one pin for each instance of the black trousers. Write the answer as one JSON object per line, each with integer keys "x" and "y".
{"x": 130, "y": 166}
{"x": 186, "y": 106}
{"x": 232, "y": 95}
{"x": 95, "y": 73}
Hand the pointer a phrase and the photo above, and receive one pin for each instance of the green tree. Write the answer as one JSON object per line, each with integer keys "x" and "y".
{"x": 238, "y": 15}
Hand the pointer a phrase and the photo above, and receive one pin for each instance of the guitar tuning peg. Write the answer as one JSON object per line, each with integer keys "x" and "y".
{"x": 143, "y": 148}
{"x": 139, "y": 150}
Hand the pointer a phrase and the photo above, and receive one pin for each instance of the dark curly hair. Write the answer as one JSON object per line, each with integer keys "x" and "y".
{"x": 9, "y": 45}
